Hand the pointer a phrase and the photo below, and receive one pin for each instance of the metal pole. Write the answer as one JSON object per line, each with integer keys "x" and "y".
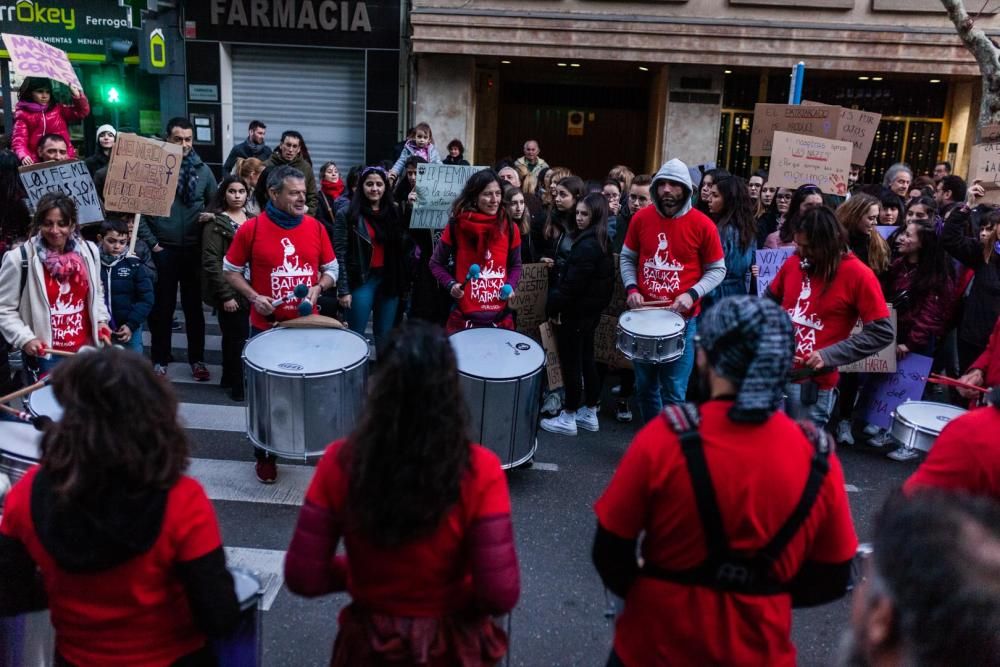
{"x": 8, "y": 106}
{"x": 798, "y": 77}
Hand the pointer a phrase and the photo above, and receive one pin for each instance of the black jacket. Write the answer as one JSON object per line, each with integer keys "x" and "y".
{"x": 97, "y": 161}
{"x": 586, "y": 279}
{"x": 982, "y": 306}
{"x": 245, "y": 150}
{"x": 353, "y": 247}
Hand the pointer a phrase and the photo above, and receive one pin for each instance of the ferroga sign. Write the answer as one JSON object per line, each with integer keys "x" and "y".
{"x": 75, "y": 27}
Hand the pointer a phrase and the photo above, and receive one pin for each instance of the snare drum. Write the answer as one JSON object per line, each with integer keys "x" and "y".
{"x": 917, "y": 424}
{"x": 501, "y": 372}
{"x": 19, "y": 447}
{"x": 305, "y": 388}
{"x": 43, "y": 403}
{"x": 651, "y": 335}
{"x": 242, "y": 648}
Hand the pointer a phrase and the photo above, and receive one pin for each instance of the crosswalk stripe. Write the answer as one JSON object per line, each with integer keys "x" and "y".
{"x": 204, "y": 417}
{"x": 266, "y": 564}
{"x": 236, "y": 481}
{"x": 178, "y": 341}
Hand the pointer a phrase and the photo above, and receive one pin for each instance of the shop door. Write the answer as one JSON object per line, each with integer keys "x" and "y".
{"x": 318, "y": 92}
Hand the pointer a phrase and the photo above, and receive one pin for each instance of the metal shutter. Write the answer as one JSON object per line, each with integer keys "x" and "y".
{"x": 318, "y": 92}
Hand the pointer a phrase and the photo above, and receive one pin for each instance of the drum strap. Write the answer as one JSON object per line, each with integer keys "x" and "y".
{"x": 724, "y": 569}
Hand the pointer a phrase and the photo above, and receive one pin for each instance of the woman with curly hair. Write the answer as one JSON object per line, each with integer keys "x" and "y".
{"x": 859, "y": 215}
{"x": 425, "y": 518}
{"x": 109, "y": 532}
{"x": 731, "y": 210}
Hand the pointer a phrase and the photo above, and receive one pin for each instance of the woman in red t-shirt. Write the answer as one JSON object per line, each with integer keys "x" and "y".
{"x": 109, "y": 533}
{"x": 425, "y": 518}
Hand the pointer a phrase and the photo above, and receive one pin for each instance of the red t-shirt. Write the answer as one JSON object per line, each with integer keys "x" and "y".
{"x": 378, "y": 250}
{"x": 279, "y": 260}
{"x": 989, "y": 361}
{"x": 825, "y": 315}
{"x": 759, "y": 472}
{"x": 672, "y": 251}
{"x": 966, "y": 456}
{"x": 136, "y": 613}
{"x": 483, "y": 293}
{"x": 68, "y": 310}
{"x": 427, "y": 578}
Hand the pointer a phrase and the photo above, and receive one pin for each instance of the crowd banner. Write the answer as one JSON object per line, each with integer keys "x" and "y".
{"x": 552, "y": 368}
{"x": 885, "y": 393}
{"x": 883, "y": 361}
{"x": 799, "y": 160}
{"x": 438, "y": 186}
{"x": 67, "y": 176}
{"x": 142, "y": 178}
{"x": 768, "y": 262}
{"x": 530, "y": 297}
{"x": 857, "y": 126}
{"x": 813, "y": 121}
{"x": 33, "y": 57}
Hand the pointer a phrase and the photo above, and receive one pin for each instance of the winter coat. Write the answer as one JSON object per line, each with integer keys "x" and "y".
{"x": 738, "y": 262}
{"x": 409, "y": 149}
{"x": 312, "y": 198}
{"x": 181, "y": 228}
{"x": 216, "y": 238}
{"x": 920, "y": 324}
{"x": 982, "y": 306}
{"x": 244, "y": 150}
{"x": 586, "y": 280}
{"x": 96, "y": 162}
{"x": 353, "y": 247}
{"x": 31, "y": 123}
{"x": 128, "y": 292}
{"x": 456, "y": 161}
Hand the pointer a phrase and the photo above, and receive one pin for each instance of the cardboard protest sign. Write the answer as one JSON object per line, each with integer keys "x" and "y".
{"x": 989, "y": 132}
{"x": 883, "y": 361}
{"x": 887, "y": 392}
{"x": 552, "y": 368}
{"x": 68, "y": 176}
{"x": 438, "y": 186}
{"x": 530, "y": 297}
{"x": 33, "y": 57}
{"x": 798, "y": 159}
{"x": 984, "y": 163}
{"x": 768, "y": 261}
{"x": 142, "y": 175}
{"x": 858, "y": 127}
{"x": 813, "y": 121}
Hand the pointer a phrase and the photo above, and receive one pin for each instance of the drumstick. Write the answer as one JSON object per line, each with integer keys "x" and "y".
{"x": 39, "y": 422}
{"x": 300, "y": 292}
{"x": 653, "y": 304}
{"x": 24, "y": 391}
{"x": 473, "y": 274}
{"x": 951, "y": 382}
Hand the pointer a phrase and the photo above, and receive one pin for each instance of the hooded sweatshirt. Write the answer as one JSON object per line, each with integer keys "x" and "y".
{"x": 664, "y": 256}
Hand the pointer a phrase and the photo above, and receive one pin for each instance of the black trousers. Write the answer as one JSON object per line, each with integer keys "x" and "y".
{"x": 235, "y": 331}
{"x": 575, "y": 338}
{"x": 177, "y": 266}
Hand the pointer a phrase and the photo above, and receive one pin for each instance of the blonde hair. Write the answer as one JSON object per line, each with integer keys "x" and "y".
{"x": 529, "y": 184}
{"x": 246, "y": 167}
{"x": 851, "y": 215}
{"x": 553, "y": 175}
{"x": 623, "y": 175}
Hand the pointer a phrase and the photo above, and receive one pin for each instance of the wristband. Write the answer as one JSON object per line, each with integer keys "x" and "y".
{"x": 631, "y": 289}
{"x": 693, "y": 294}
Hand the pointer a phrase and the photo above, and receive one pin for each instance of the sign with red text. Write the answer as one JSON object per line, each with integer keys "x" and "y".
{"x": 814, "y": 121}
{"x": 799, "y": 160}
{"x": 33, "y": 57}
{"x": 142, "y": 175}
{"x": 858, "y": 127}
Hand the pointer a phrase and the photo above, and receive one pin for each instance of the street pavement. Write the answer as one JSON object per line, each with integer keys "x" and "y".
{"x": 561, "y": 618}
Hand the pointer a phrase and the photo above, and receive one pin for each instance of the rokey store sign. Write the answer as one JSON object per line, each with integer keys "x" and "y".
{"x": 78, "y": 27}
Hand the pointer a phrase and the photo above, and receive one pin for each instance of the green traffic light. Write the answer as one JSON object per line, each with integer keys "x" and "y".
{"x": 114, "y": 97}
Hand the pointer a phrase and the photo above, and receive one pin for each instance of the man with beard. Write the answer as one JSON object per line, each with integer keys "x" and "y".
{"x": 929, "y": 592}
{"x": 290, "y": 153}
{"x": 672, "y": 254}
{"x": 730, "y": 540}
{"x": 253, "y": 146}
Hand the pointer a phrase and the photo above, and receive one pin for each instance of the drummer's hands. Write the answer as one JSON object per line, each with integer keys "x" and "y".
{"x": 34, "y": 347}
{"x": 813, "y": 361}
{"x": 104, "y": 333}
{"x": 457, "y": 292}
{"x": 314, "y": 293}
{"x": 344, "y": 301}
{"x": 973, "y": 377}
{"x": 682, "y": 304}
{"x": 262, "y": 305}
{"x": 124, "y": 333}
{"x": 230, "y": 305}
{"x": 635, "y": 300}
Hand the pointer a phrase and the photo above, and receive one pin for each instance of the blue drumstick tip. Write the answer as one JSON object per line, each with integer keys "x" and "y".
{"x": 301, "y": 291}
{"x": 305, "y": 308}
{"x": 506, "y": 291}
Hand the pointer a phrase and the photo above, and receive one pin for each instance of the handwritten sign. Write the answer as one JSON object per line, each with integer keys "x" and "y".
{"x": 989, "y": 132}
{"x": 883, "y": 361}
{"x": 768, "y": 262}
{"x": 438, "y": 186}
{"x": 813, "y": 121}
{"x": 552, "y": 368}
{"x": 68, "y": 176}
{"x": 142, "y": 175}
{"x": 618, "y": 297}
{"x": 33, "y": 57}
{"x": 798, "y": 159}
{"x": 858, "y": 127}
{"x": 984, "y": 164}
{"x": 887, "y": 392}
{"x": 530, "y": 297}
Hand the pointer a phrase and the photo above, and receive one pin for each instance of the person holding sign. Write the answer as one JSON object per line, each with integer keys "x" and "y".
{"x": 38, "y": 113}
{"x": 672, "y": 254}
{"x": 55, "y": 301}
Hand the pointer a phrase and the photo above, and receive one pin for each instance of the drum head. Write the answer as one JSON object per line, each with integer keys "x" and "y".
{"x": 20, "y": 441}
{"x": 927, "y": 416}
{"x": 654, "y": 322}
{"x": 43, "y": 403}
{"x": 305, "y": 351}
{"x": 496, "y": 354}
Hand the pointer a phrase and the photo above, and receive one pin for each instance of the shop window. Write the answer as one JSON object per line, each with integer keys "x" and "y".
{"x": 734, "y": 142}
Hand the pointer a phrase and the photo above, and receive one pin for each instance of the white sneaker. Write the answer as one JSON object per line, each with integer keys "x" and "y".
{"x": 871, "y": 430}
{"x": 552, "y": 404}
{"x": 586, "y": 418}
{"x": 904, "y": 454}
{"x": 564, "y": 424}
{"x": 844, "y": 435}
{"x": 883, "y": 439}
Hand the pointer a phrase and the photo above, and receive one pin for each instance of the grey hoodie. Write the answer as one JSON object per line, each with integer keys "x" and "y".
{"x": 712, "y": 273}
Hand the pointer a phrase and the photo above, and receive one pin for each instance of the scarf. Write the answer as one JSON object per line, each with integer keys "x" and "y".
{"x": 61, "y": 266}
{"x": 107, "y": 259}
{"x": 282, "y": 219}
{"x": 331, "y": 189}
{"x": 478, "y": 229}
{"x": 33, "y": 107}
{"x": 187, "y": 181}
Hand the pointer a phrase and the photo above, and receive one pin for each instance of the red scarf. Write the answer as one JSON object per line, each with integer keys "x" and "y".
{"x": 481, "y": 239}
{"x": 332, "y": 189}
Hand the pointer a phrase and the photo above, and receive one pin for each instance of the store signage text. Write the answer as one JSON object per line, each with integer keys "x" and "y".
{"x": 293, "y": 14}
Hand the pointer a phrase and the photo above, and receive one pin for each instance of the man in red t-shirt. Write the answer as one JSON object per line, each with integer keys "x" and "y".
{"x": 283, "y": 247}
{"x": 672, "y": 253}
{"x": 826, "y": 289}
{"x": 723, "y": 500}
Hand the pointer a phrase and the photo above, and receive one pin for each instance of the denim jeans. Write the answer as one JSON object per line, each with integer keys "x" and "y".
{"x": 135, "y": 342}
{"x": 657, "y": 385}
{"x": 819, "y": 413}
{"x": 367, "y": 299}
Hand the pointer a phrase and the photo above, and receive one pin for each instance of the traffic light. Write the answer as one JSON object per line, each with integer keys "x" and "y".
{"x": 112, "y": 93}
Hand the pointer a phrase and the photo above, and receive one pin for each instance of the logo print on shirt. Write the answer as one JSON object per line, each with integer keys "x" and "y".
{"x": 67, "y": 315}
{"x": 486, "y": 288}
{"x": 290, "y": 272}
{"x": 660, "y": 272}
{"x": 806, "y": 324}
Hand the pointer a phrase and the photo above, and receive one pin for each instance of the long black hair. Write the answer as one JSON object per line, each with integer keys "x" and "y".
{"x": 219, "y": 204}
{"x": 935, "y": 271}
{"x": 717, "y": 175}
{"x": 410, "y": 450}
{"x": 468, "y": 199}
{"x": 598, "y": 207}
{"x": 794, "y": 215}
{"x": 827, "y": 241}
{"x": 556, "y": 221}
{"x": 33, "y": 83}
{"x": 737, "y": 209}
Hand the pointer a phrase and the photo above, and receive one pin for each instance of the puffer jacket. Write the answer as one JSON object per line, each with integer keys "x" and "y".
{"x": 128, "y": 291}
{"x": 586, "y": 280}
{"x": 300, "y": 163}
{"x": 920, "y": 324}
{"x": 32, "y": 122}
{"x": 217, "y": 236}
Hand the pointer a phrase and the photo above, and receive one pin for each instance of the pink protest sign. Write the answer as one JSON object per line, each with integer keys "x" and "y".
{"x": 33, "y": 57}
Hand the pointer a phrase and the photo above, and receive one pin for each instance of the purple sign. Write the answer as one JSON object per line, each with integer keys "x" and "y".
{"x": 885, "y": 231}
{"x": 884, "y": 393}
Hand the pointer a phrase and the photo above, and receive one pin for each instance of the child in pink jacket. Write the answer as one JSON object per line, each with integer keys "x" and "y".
{"x": 37, "y": 114}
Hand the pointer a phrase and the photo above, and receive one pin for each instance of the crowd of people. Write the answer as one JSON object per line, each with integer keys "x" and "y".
{"x": 728, "y": 509}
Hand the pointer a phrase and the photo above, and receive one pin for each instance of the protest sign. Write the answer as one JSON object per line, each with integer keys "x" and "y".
{"x": 885, "y": 393}
{"x": 768, "y": 262}
{"x": 438, "y": 186}
{"x": 606, "y": 343}
{"x": 858, "y": 127}
{"x": 33, "y": 57}
{"x": 552, "y": 368}
{"x": 68, "y": 176}
{"x": 883, "y": 361}
{"x": 989, "y": 132}
{"x": 530, "y": 297}
{"x": 798, "y": 159}
{"x": 142, "y": 175}
{"x": 813, "y": 121}
{"x": 618, "y": 297}
{"x": 885, "y": 231}
{"x": 984, "y": 164}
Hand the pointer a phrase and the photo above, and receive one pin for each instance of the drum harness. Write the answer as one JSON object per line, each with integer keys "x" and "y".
{"x": 724, "y": 569}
